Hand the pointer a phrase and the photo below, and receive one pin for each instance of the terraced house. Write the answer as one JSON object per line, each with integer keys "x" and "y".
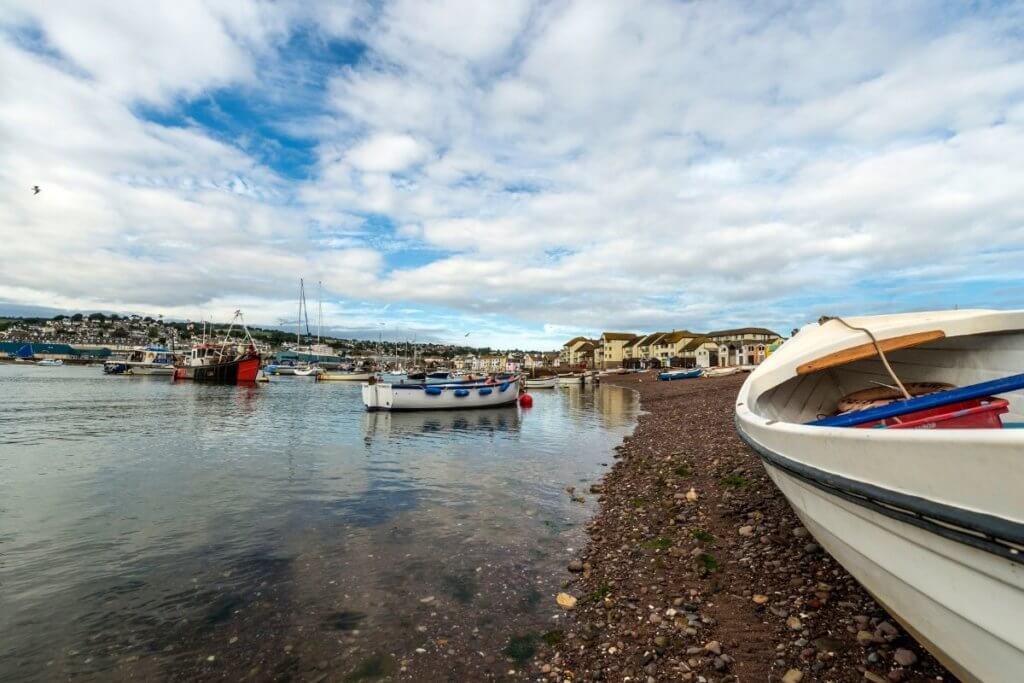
{"x": 743, "y": 345}
{"x": 610, "y": 351}
{"x": 679, "y": 348}
{"x": 577, "y": 352}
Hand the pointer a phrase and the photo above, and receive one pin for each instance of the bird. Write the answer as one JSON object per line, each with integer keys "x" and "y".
{"x": 35, "y": 189}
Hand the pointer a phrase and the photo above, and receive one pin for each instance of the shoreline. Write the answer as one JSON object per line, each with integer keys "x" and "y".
{"x": 696, "y": 568}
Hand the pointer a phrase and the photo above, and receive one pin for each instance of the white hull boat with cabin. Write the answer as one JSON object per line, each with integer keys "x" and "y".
{"x": 925, "y": 506}
{"x": 381, "y": 396}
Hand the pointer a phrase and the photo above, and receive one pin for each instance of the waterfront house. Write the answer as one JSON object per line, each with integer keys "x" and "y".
{"x": 578, "y": 352}
{"x": 742, "y": 346}
{"x": 609, "y": 353}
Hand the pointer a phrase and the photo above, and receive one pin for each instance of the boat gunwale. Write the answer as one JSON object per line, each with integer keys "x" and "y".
{"x": 996, "y": 535}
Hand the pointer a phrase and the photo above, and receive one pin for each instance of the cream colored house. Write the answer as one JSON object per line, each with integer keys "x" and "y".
{"x": 701, "y": 352}
{"x": 670, "y": 345}
{"x": 610, "y": 351}
{"x": 578, "y": 352}
{"x": 640, "y": 352}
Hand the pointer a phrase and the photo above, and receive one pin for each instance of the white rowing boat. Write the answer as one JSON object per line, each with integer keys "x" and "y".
{"x": 571, "y": 379}
{"x": 541, "y": 383}
{"x": 721, "y": 372}
{"x": 381, "y": 396}
{"x": 930, "y": 521}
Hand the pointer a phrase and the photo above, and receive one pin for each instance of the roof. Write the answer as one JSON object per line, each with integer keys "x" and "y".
{"x": 697, "y": 343}
{"x": 586, "y": 346}
{"x": 618, "y": 336}
{"x": 742, "y": 330}
{"x": 576, "y": 340}
{"x": 677, "y": 336}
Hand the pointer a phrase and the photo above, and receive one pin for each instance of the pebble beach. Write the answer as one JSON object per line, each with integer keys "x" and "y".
{"x": 696, "y": 568}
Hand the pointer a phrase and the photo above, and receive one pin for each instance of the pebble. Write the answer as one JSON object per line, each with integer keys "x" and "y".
{"x": 565, "y": 601}
{"x": 576, "y": 566}
{"x": 746, "y": 530}
{"x": 760, "y": 599}
{"x": 714, "y": 647}
{"x": 793, "y": 676}
{"x": 794, "y": 624}
{"x": 904, "y": 657}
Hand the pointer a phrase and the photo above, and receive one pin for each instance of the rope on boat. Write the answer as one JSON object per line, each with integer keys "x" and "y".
{"x": 881, "y": 354}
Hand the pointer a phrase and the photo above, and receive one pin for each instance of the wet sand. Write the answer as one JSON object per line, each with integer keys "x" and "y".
{"x": 697, "y": 569}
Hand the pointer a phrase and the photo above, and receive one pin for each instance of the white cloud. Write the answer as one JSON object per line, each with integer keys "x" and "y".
{"x": 386, "y": 152}
{"x": 573, "y": 164}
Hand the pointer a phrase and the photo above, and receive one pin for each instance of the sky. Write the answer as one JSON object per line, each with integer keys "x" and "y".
{"x": 521, "y": 171}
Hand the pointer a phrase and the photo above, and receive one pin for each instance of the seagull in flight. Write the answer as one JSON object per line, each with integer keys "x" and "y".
{"x": 35, "y": 189}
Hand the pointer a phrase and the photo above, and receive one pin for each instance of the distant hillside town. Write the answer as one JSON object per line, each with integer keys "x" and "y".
{"x": 95, "y": 336}
{"x": 744, "y": 346}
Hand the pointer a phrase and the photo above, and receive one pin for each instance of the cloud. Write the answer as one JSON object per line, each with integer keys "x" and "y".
{"x": 527, "y": 169}
{"x": 387, "y": 153}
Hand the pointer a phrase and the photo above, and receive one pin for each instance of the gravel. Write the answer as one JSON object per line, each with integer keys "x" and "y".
{"x": 697, "y": 569}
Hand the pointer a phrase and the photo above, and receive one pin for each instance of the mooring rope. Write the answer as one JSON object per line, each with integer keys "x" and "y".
{"x": 878, "y": 348}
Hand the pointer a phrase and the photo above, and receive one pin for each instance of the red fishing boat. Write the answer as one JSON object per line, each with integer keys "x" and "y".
{"x": 228, "y": 361}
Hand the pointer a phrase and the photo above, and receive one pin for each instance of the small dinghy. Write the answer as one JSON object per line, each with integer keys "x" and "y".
{"x": 50, "y": 362}
{"x": 887, "y": 434}
{"x": 570, "y": 380}
{"x": 381, "y": 396}
{"x": 680, "y": 374}
{"x": 541, "y": 383}
{"x": 721, "y": 372}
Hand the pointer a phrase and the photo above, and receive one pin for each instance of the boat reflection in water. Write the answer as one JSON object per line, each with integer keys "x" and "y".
{"x": 440, "y": 423}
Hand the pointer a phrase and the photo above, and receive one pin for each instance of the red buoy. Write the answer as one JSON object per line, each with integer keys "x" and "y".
{"x": 526, "y": 401}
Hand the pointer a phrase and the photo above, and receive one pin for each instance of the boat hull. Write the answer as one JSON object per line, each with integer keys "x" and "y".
{"x": 380, "y": 396}
{"x": 947, "y": 593}
{"x": 150, "y": 370}
{"x": 680, "y": 374}
{"x": 570, "y": 380}
{"x": 546, "y": 383}
{"x": 928, "y": 520}
{"x": 242, "y": 371}
{"x": 344, "y": 376}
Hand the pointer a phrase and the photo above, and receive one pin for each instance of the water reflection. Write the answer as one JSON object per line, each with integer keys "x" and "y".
{"x": 440, "y": 423}
{"x": 144, "y": 524}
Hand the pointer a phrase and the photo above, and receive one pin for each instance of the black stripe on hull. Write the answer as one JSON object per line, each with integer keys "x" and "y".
{"x": 992, "y": 534}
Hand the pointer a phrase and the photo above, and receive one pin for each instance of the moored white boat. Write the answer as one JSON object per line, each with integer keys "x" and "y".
{"x": 50, "y": 362}
{"x": 571, "y": 379}
{"x": 381, "y": 396}
{"x": 929, "y": 520}
{"x": 721, "y": 372}
{"x": 541, "y": 383}
{"x": 344, "y": 376}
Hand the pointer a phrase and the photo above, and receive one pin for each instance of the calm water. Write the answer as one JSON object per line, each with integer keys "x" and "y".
{"x": 151, "y": 529}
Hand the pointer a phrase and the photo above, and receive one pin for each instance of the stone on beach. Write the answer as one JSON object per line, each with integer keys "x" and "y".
{"x": 565, "y": 601}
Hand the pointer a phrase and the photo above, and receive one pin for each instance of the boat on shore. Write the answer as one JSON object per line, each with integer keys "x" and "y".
{"x": 722, "y": 372}
{"x": 916, "y": 492}
{"x": 541, "y": 383}
{"x": 672, "y": 375}
{"x": 488, "y": 394}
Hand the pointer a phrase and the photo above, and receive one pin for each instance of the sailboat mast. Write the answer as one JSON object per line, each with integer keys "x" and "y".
{"x": 298, "y": 321}
{"x": 320, "y": 309}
